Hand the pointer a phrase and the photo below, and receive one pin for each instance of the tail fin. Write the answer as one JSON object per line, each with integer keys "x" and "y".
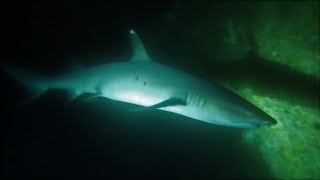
{"x": 35, "y": 84}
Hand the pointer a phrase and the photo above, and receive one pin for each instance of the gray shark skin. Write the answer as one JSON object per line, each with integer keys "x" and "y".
{"x": 143, "y": 82}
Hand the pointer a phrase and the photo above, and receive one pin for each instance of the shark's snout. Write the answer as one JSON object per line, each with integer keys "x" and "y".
{"x": 241, "y": 113}
{"x": 267, "y": 119}
{"x": 257, "y": 120}
{"x": 260, "y": 117}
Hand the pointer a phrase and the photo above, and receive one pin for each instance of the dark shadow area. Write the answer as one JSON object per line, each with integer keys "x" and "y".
{"x": 273, "y": 80}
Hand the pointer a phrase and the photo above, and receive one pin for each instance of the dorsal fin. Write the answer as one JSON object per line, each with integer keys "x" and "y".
{"x": 139, "y": 53}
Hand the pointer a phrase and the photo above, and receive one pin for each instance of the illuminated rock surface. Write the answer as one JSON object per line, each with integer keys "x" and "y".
{"x": 292, "y": 147}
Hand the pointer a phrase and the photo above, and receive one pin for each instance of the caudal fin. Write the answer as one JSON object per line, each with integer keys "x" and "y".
{"x": 35, "y": 84}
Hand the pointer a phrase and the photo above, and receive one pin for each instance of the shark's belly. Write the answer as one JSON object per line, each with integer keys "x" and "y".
{"x": 146, "y": 95}
{"x": 136, "y": 97}
{"x": 148, "y": 99}
{"x": 152, "y": 95}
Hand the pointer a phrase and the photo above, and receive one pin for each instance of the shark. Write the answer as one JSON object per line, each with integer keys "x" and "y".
{"x": 152, "y": 86}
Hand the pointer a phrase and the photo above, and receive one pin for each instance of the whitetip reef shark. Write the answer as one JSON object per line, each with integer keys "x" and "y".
{"x": 142, "y": 81}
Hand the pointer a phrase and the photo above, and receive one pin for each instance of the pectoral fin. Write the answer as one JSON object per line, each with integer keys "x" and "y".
{"x": 165, "y": 103}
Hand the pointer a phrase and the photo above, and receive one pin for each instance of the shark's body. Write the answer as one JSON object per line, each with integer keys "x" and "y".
{"x": 144, "y": 82}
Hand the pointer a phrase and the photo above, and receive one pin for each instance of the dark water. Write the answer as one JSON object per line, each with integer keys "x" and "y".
{"x": 102, "y": 138}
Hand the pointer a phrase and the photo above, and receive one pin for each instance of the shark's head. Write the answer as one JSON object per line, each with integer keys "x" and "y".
{"x": 243, "y": 114}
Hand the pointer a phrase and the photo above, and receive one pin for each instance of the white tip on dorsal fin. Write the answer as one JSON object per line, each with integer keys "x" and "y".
{"x": 139, "y": 53}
